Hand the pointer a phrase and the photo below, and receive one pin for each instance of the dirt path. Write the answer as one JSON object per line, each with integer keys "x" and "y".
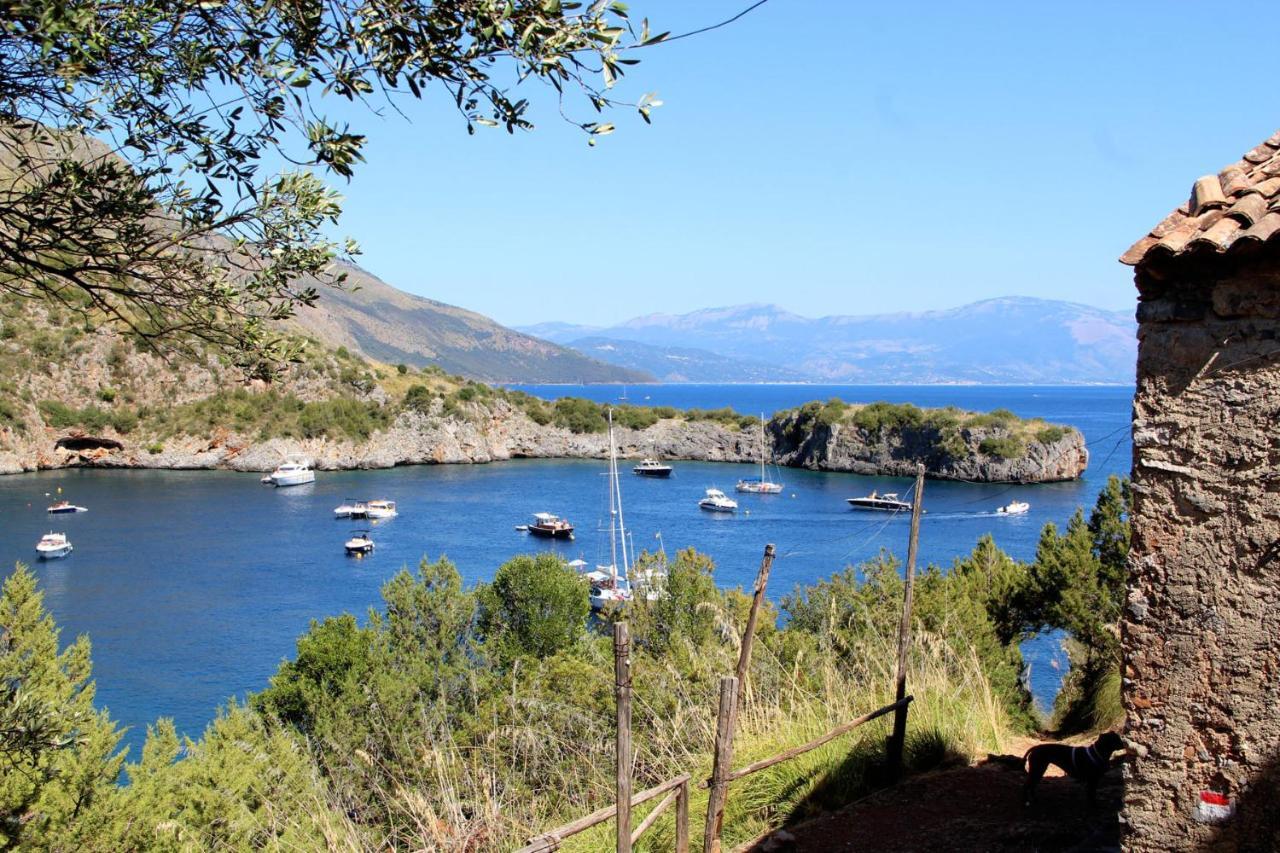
{"x": 975, "y": 808}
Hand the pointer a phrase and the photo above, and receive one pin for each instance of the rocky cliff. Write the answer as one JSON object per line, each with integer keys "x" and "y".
{"x": 497, "y": 430}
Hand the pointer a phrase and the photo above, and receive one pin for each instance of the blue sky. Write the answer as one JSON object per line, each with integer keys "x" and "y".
{"x": 832, "y": 158}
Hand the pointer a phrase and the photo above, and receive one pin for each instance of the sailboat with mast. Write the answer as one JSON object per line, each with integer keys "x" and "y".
{"x": 762, "y": 485}
{"x": 611, "y": 584}
{"x": 609, "y": 587}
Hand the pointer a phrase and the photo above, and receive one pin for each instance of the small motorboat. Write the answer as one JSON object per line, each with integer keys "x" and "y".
{"x": 550, "y": 526}
{"x": 1014, "y": 508}
{"x": 651, "y": 468}
{"x": 887, "y": 502}
{"x": 291, "y": 474}
{"x": 380, "y": 509}
{"x": 349, "y": 509}
{"x": 717, "y": 501}
{"x": 62, "y": 507}
{"x": 359, "y": 543}
{"x": 53, "y": 546}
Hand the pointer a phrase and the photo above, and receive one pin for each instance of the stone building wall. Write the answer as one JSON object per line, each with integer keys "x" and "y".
{"x": 1202, "y": 625}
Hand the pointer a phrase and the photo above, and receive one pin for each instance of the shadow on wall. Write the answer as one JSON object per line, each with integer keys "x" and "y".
{"x": 1255, "y": 826}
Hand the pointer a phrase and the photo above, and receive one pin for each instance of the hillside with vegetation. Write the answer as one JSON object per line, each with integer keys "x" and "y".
{"x": 74, "y": 393}
{"x": 472, "y": 718}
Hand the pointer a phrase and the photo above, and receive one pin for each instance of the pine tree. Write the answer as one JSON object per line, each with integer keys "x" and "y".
{"x": 59, "y": 752}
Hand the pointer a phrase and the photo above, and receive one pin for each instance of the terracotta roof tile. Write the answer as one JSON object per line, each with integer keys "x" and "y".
{"x": 1249, "y": 209}
{"x": 1264, "y": 228}
{"x": 1240, "y": 204}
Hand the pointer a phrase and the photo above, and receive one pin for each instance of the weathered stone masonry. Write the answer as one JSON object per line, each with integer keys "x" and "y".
{"x": 1202, "y": 625}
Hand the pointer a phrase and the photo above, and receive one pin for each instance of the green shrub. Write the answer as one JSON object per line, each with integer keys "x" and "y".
{"x": 402, "y": 368}
{"x": 1002, "y": 418}
{"x": 419, "y": 398}
{"x": 10, "y": 417}
{"x": 881, "y": 416}
{"x": 578, "y": 415}
{"x": 107, "y": 395}
{"x": 124, "y": 421}
{"x": 635, "y": 417}
{"x": 155, "y": 448}
{"x": 1004, "y": 447}
{"x": 1050, "y": 434}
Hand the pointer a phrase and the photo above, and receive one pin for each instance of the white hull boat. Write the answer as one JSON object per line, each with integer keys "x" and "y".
{"x": 360, "y": 543}
{"x": 759, "y": 485}
{"x": 380, "y": 509}
{"x": 717, "y": 501}
{"x": 1014, "y": 508}
{"x": 53, "y": 546}
{"x": 63, "y": 507}
{"x": 888, "y": 502}
{"x": 350, "y": 509}
{"x": 291, "y": 474}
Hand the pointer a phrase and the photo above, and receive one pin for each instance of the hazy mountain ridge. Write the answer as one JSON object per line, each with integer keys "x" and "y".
{"x": 1009, "y": 340}
{"x": 372, "y": 317}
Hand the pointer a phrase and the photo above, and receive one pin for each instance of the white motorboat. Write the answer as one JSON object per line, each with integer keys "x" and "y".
{"x": 359, "y": 543}
{"x": 887, "y": 502}
{"x": 717, "y": 501}
{"x": 291, "y": 474}
{"x": 1014, "y": 508}
{"x": 760, "y": 485}
{"x": 350, "y": 509}
{"x": 651, "y": 468}
{"x": 53, "y": 546}
{"x": 380, "y": 509}
{"x": 62, "y": 507}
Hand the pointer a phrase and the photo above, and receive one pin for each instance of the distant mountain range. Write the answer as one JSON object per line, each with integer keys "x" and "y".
{"x": 1010, "y": 340}
{"x": 371, "y": 317}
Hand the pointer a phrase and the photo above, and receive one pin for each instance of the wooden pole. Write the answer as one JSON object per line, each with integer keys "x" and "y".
{"x": 899, "y": 737}
{"x": 749, "y": 635}
{"x": 622, "y": 686}
{"x": 682, "y": 819}
{"x": 721, "y": 766}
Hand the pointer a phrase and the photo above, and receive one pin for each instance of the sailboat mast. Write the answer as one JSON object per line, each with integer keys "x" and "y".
{"x": 617, "y": 491}
{"x": 613, "y": 526}
{"x": 762, "y": 448}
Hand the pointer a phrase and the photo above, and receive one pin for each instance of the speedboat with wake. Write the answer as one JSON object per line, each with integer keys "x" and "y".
{"x": 888, "y": 502}
{"x": 53, "y": 546}
{"x": 1014, "y": 508}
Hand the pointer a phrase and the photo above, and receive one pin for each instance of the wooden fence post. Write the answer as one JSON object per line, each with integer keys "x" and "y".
{"x": 897, "y": 741}
{"x": 721, "y": 768}
{"x": 622, "y": 689}
{"x": 749, "y": 636}
{"x": 682, "y": 819}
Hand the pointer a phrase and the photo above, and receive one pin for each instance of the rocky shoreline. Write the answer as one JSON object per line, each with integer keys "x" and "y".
{"x": 498, "y": 431}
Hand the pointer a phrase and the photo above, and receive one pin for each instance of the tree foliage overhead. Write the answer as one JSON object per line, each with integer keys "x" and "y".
{"x": 134, "y": 134}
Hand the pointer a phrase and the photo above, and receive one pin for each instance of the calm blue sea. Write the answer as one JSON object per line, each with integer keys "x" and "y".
{"x": 193, "y": 586}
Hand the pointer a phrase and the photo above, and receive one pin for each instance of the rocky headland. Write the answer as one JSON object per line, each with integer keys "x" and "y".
{"x": 498, "y": 430}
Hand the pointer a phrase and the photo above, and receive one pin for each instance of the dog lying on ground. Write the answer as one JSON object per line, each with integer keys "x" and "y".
{"x": 1086, "y": 763}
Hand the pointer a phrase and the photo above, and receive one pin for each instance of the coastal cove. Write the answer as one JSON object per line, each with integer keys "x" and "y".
{"x": 194, "y": 585}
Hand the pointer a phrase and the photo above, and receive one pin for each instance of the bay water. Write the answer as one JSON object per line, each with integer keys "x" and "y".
{"x": 194, "y": 585}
